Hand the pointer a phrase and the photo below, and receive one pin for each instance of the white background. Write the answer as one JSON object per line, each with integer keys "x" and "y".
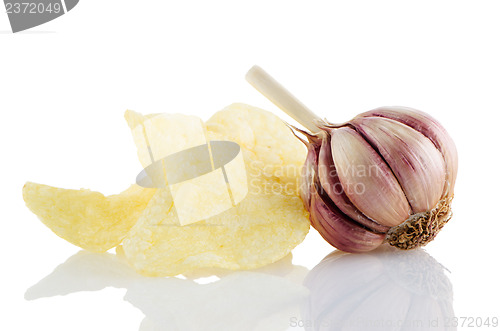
{"x": 65, "y": 85}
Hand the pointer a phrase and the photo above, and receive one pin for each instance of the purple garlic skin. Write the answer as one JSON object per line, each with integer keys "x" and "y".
{"x": 388, "y": 175}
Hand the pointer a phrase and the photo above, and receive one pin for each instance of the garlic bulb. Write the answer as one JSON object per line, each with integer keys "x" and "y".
{"x": 387, "y": 175}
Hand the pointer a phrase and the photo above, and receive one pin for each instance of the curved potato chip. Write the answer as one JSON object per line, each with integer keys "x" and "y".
{"x": 153, "y": 134}
{"x": 85, "y": 218}
{"x": 263, "y": 228}
{"x": 270, "y": 149}
{"x": 260, "y": 230}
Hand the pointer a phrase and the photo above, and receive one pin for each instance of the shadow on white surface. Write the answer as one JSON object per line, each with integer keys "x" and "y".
{"x": 384, "y": 290}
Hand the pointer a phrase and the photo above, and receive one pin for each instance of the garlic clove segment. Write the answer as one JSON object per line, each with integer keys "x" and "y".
{"x": 429, "y": 127}
{"x": 338, "y": 229}
{"x": 417, "y": 164}
{"x": 366, "y": 179}
{"x": 330, "y": 182}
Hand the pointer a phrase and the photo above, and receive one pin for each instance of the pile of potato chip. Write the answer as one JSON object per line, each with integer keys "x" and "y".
{"x": 260, "y": 229}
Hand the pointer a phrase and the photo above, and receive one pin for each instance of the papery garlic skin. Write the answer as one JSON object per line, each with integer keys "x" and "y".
{"x": 333, "y": 226}
{"x": 329, "y": 180}
{"x": 375, "y": 185}
{"x": 396, "y": 169}
{"x": 417, "y": 164}
{"x": 309, "y": 170}
{"x": 432, "y": 129}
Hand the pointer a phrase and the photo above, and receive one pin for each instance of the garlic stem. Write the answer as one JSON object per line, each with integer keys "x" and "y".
{"x": 282, "y": 98}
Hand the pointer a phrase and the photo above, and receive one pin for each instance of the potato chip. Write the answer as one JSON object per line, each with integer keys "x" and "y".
{"x": 271, "y": 151}
{"x": 263, "y": 228}
{"x": 85, "y": 218}
{"x": 267, "y": 222}
{"x": 153, "y": 134}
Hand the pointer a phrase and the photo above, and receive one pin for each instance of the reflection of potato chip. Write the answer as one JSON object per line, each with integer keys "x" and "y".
{"x": 261, "y": 229}
{"x": 85, "y": 218}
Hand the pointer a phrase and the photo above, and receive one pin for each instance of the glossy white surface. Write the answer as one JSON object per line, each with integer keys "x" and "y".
{"x": 65, "y": 85}
{"x": 388, "y": 288}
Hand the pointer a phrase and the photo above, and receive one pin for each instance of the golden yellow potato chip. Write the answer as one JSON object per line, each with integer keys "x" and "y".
{"x": 270, "y": 150}
{"x": 164, "y": 134}
{"x": 85, "y": 218}
{"x": 264, "y": 227}
{"x": 266, "y": 223}
{"x": 260, "y": 230}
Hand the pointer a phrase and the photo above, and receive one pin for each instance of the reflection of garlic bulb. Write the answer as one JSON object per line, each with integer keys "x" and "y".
{"x": 382, "y": 290}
